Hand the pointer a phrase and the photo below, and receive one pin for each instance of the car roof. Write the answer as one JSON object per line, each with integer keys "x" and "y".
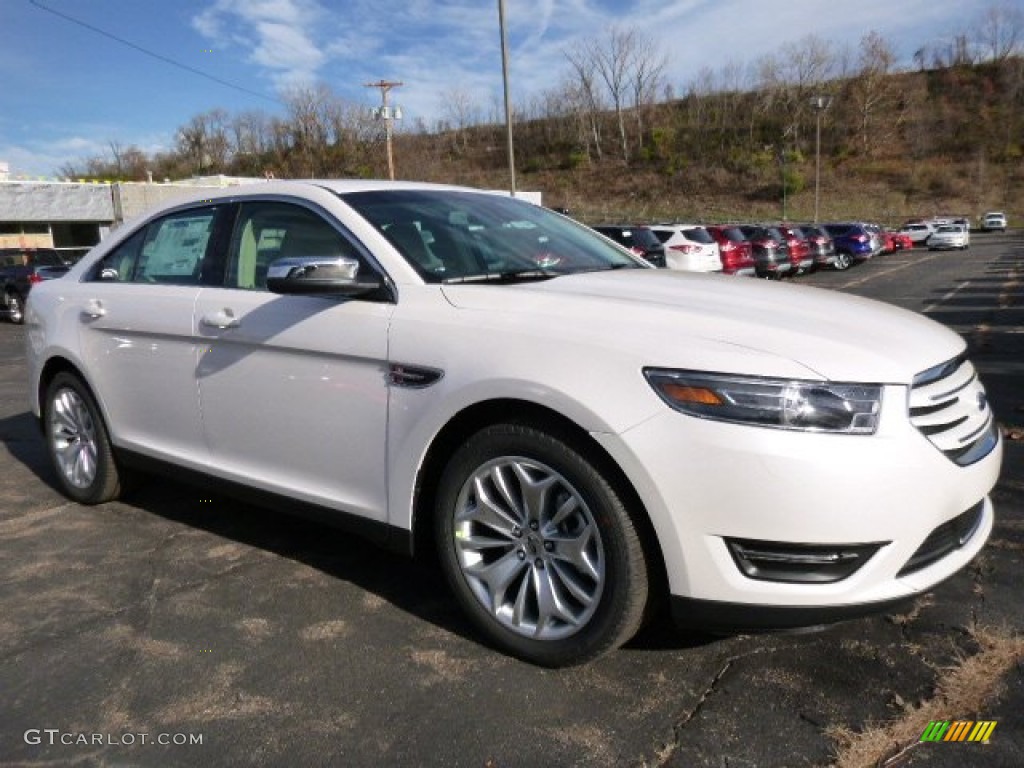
{"x": 305, "y": 186}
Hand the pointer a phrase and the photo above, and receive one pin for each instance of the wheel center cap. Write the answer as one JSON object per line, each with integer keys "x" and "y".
{"x": 534, "y": 544}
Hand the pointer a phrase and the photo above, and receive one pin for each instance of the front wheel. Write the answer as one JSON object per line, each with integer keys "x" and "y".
{"x": 539, "y": 548}
{"x": 78, "y": 442}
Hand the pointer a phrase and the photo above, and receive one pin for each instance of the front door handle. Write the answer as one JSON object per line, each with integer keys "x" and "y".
{"x": 222, "y": 318}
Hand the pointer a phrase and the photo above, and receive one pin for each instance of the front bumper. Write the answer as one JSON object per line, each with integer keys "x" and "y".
{"x": 704, "y": 483}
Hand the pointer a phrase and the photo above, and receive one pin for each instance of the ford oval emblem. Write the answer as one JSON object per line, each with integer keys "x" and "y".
{"x": 982, "y": 401}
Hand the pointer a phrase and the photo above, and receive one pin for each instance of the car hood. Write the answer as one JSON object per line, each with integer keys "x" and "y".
{"x": 712, "y": 322}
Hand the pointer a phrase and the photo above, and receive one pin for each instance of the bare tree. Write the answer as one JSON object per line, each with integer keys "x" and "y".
{"x": 460, "y": 109}
{"x": 648, "y": 65}
{"x": 309, "y": 126}
{"x": 613, "y": 62}
{"x": 873, "y": 92}
{"x": 586, "y": 87}
{"x": 1001, "y": 31}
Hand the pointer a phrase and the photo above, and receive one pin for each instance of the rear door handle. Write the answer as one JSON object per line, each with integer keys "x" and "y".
{"x": 222, "y": 318}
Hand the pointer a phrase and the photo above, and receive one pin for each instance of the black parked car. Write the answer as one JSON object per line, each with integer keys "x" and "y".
{"x": 640, "y": 240}
{"x": 20, "y": 269}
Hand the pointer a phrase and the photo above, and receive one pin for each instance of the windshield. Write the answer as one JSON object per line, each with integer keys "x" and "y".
{"x": 459, "y": 236}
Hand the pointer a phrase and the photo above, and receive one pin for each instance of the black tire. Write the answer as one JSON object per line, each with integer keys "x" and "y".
{"x": 572, "y": 547}
{"x": 15, "y": 308}
{"x": 843, "y": 260}
{"x": 78, "y": 442}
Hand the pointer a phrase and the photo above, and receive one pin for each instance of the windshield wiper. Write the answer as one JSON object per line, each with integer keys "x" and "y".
{"x": 508, "y": 276}
{"x": 524, "y": 275}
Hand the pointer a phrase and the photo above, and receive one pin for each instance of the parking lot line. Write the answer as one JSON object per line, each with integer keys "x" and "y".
{"x": 873, "y": 275}
{"x": 945, "y": 298}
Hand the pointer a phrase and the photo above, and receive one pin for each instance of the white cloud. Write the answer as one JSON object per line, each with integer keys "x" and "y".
{"x": 280, "y": 35}
{"x": 46, "y": 157}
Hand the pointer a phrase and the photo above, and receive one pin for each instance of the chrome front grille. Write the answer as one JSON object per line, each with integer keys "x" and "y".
{"x": 948, "y": 406}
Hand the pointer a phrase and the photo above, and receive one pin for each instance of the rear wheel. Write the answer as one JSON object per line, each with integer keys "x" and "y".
{"x": 539, "y": 548}
{"x": 78, "y": 442}
{"x": 843, "y": 260}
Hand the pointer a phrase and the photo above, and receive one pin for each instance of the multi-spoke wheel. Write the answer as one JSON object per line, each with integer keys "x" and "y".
{"x": 78, "y": 442}
{"x": 843, "y": 260}
{"x": 539, "y": 548}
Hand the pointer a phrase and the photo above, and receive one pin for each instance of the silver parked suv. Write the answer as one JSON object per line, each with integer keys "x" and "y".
{"x": 993, "y": 220}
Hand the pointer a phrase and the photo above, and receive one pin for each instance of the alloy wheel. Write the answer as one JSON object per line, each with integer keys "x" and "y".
{"x": 529, "y": 548}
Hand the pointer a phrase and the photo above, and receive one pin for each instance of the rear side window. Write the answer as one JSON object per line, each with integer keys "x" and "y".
{"x": 170, "y": 250}
{"x": 645, "y": 238}
{"x": 734, "y": 234}
{"x": 698, "y": 235}
{"x": 664, "y": 235}
{"x": 630, "y": 238}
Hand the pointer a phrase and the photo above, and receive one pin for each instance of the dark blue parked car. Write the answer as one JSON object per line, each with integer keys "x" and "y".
{"x": 853, "y": 243}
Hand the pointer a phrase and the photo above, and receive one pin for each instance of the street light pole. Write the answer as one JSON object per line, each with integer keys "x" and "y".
{"x": 508, "y": 103}
{"x": 820, "y": 104}
{"x": 387, "y": 115}
{"x": 782, "y": 171}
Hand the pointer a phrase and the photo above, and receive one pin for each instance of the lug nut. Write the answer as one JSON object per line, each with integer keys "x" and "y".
{"x": 533, "y": 525}
{"x": 539, "y": 563}
{"x": 521, "y": 554}
{"x": 548, "y": 546}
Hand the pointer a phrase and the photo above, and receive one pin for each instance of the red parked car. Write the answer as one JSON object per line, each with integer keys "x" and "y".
{"x": 800, "y": 253}
{"x": 737, "y": 252}
{"x": 901, "y": 241}
{"x": 822, "y": 247}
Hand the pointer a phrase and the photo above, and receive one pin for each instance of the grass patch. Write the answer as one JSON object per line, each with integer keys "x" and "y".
{"x": 962, "y": 692}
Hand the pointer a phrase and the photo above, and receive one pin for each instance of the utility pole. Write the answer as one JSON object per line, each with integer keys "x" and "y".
{"x": 387, "y": 114}
{"x": 508, "y": 101}
{"x": 820, "y": 104}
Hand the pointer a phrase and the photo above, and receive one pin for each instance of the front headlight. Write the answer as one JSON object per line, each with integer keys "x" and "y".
{"x": 814, "y": 406}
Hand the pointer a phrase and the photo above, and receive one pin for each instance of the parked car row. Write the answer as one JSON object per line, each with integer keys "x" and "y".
{"x": 767, "y": 250}
{"x": 949, "y": 233}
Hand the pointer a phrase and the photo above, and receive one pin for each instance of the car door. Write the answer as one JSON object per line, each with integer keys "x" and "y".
{"x": 294, "y": 388}
{"x": 136, "y": 333}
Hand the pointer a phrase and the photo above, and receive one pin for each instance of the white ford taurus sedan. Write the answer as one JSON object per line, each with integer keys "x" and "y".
{"x": 584, "y": 439}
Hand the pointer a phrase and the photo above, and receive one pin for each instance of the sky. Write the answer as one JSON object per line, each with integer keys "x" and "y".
{"x": 76, "y": 75}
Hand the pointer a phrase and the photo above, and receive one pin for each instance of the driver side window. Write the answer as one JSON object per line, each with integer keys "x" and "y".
{"x": 265, "y": 232}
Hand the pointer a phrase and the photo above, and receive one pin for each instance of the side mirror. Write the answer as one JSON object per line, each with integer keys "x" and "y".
{"x": 319, "y": 276}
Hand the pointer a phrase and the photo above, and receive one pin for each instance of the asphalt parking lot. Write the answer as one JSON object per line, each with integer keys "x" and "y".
{"x": 179, "y": 616}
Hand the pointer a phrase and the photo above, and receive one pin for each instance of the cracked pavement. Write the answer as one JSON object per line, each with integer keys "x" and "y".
{"x": 283, "y": 642}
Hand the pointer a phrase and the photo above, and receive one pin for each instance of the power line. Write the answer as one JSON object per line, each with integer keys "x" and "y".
{"x": 153, "y": 54}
